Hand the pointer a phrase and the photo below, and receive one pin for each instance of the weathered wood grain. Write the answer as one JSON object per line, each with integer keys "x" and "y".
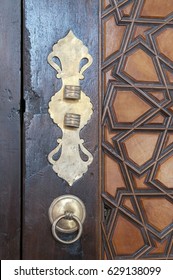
{"x": 45, "y": 23}
{"x": 10, "y": 22}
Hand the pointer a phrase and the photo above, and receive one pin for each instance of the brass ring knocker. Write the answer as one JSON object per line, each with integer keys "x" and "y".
{"x": 69, "y": 216}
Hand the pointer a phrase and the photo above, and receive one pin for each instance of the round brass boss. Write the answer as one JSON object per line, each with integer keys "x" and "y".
{"x": 63, "y": 204}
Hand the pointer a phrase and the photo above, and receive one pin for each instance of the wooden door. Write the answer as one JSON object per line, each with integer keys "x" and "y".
{"x": 128, "y": 188}
{"x": 45, "y": 24}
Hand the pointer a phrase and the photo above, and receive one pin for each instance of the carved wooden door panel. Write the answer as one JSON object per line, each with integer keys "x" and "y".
{"x": 137, "y": 128}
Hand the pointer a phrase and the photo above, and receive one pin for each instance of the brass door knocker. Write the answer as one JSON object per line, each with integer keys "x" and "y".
{"x": 67, "y": 214}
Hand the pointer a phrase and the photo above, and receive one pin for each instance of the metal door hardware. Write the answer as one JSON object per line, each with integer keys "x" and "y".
{"x": 67, "y": 214}
{"x": 72, "y": 92}
{"x": 72, "y": 120}
{"x": 70, "y": 108}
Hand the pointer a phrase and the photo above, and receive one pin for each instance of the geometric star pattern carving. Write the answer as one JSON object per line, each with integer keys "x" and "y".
{"x": 137, "y": 129}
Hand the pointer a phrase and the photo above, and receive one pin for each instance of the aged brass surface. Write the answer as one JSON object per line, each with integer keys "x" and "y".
{"x": 72, "y": 120}
{"x": 72, "y": 92}
{"x": 63, "y": 205}
{"x": 70, "y": 52}
{"x": 65, "y": 216}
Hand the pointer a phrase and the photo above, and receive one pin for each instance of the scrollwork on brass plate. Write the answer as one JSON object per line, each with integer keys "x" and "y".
{"x": 70, "y": 108}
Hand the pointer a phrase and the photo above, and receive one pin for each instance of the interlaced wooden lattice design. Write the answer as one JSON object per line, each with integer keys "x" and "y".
{"x": 137, "y": 128}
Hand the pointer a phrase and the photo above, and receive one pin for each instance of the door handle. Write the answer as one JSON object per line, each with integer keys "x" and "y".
{"x": 67, "y": 214}
{"x": 70, "y": 108}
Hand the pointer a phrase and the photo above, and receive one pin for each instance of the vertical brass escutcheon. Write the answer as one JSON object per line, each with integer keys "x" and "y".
{"x": 70, "y": 108}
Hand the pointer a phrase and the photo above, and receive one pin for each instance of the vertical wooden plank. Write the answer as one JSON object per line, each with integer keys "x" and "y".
{"x": 10, "y": 22}
{"x": 45, "y": 23}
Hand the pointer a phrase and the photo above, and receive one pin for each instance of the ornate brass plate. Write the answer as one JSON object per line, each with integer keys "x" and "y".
{"x": 70, "y": 108}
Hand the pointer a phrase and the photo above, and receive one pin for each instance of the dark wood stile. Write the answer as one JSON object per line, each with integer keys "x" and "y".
{"x": 45, "y": 23}
{"x": 10, "y": 33}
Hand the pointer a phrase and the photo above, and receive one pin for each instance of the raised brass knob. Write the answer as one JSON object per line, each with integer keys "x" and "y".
{"x": 72, "y": 92}
{"x": 72, "y": 120}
